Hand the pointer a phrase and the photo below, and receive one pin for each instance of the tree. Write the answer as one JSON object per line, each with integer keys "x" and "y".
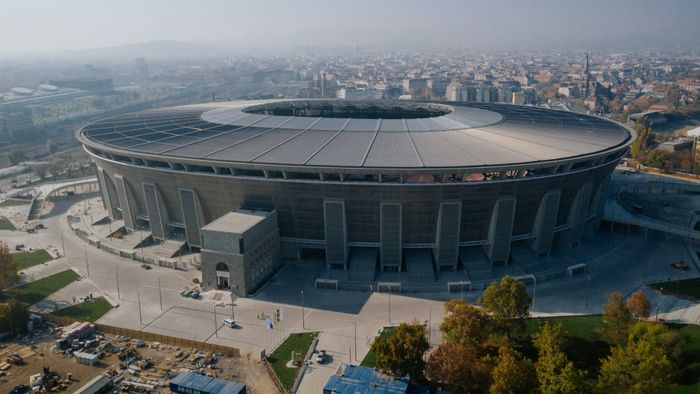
{"x": 639, "y": 305}
{"x": 641, "y": 366}
{"x": 512, "y": 373}
{"x": 458, "y": 367}
{"x": 16, "y": 156}
{"x": 8, "y": 267}
{"x": 51, "y": 147}
{"x": 39, "y": 170}
{"x": 556, "y": 374}
{"x": 639, "y": 146}
{"x": 402, "y": 353}
{"x": 617, "y": 318}
{"x": 658, "y": 158}
{"x": 508, "y": 303}
{"x": 13, "y": 316}
{"x": 464, "y": 323}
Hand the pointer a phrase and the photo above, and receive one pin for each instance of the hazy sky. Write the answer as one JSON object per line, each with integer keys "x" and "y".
{"x": 40, "y": 26}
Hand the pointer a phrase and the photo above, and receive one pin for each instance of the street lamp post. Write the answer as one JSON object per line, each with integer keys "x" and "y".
{"x": 430, "y": 318}
{"x": 63, "y": 246}
{"x": 139, "y": 299}
{"x": 116, "y": 271}
{"x": 588, "y": 288}
{"x": 87, "y": 265}
{"x": 659, "y": 304}
{"x": 355, "y": 341}
{"x": 216, "y": 326}
{"x": 303, "y": 318}
{"x": 534, "y": 290}
{"x": 160, "y": 295}
{"x": 390, "y": 305}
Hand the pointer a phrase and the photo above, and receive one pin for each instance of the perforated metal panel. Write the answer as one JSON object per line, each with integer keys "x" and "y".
{"x": 501, "y": 230}
{"x": 125, "y": 201}
{"x": 336, "y": 236}
{"x": 190, "y": 215}
{"x": 153, "y": 206}
{"x": 447, "y": 251}
{"x": 106, "y": 203}
{"x": 543, "y": 229}
{"x": 390, "y": 235}
{"x": 579, "y": 212}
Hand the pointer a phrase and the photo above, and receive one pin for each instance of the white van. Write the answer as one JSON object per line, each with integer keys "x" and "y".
{"x": 230, "y": 322}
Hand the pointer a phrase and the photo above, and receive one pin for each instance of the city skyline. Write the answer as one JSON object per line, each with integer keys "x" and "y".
{"x": 244, "y": 26}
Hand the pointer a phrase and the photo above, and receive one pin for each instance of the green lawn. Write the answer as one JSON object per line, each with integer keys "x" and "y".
{"x": 582, "y": 327}
{"x": 5, "y": 224}
{"x": 300, "y": 343}
{"x": 688, "y": 288}
{"x": 86, "y": 311}
{"x": 29, "y": 259}
{"x": 11, "y": 202}
{"x": 585, "y": 349}
{"x": 33, "y": 292}
{"x": 370, "y": 359}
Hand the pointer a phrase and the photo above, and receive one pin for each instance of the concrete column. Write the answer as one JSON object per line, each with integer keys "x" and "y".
{"x": 192, "y": 216}
{"x": 106, "y": 202}
{"x": 157, "y": 214}
{"x": 501, "y": 230}
{"x": 390, "y": 235}
{"x": 446, "y": 252}
{"x": 578, "y": 213}
{"x": 335, "y": 233}
{"x": 597, "y": 206}
{"x": 126, "y": 201}
{"x": 545, "y": 221}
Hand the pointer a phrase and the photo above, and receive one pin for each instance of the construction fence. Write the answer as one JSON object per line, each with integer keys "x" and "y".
{"x": 152, "y": 337}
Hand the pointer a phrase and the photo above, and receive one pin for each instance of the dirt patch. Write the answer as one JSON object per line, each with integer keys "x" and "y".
{"x": 164, "y": 362}
{"x": 44, "y": 357}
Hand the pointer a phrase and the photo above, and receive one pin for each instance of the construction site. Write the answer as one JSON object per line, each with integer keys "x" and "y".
{"x": 76, "y": 358}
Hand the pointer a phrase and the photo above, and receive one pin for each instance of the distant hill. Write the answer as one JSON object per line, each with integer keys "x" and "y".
{"x": 150, "y": 49}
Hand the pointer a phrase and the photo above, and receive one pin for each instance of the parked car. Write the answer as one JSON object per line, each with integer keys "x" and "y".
{"x": 21, "y": 389}
{"x": 230, "y": 323}
{"x": 680, "y": 265}
{"x": 146, "y": 266}
{"x": 320, "y": 357}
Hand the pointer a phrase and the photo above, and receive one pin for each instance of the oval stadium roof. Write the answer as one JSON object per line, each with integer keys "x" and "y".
{"x": 462, "y": 135}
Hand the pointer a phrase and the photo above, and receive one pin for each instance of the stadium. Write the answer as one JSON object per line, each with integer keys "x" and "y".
{"x": 379, "y": 191}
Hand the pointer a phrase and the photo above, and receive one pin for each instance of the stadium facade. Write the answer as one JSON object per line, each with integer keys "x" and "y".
{"x": 381, "y": 186}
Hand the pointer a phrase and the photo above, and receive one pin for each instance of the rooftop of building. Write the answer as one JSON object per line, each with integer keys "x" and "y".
{"x": 355, "y": 379}
{"x": 349, "y": 134}
{"x": 197, "y": 383}
{"x": 237, "y": 222}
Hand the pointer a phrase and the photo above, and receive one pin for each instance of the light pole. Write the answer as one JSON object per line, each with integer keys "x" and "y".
{"x": 87, "y": 265}
{"x": 116, "y": 271}
{"x": 141, "y": 235}
{"x": 355, "y": 341}
{"x": 430, "y": 318}
{"x": 588, "y": 288}
{"x": 216, "y": 326}
{"x": 534, "y": 290}
{"x": 303, "y": 318}
{"x": 390, "y": 305}
{"x": 139, "y": 298}
{"x": 63, "y": 246}
{"x": 160, "y": 295}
